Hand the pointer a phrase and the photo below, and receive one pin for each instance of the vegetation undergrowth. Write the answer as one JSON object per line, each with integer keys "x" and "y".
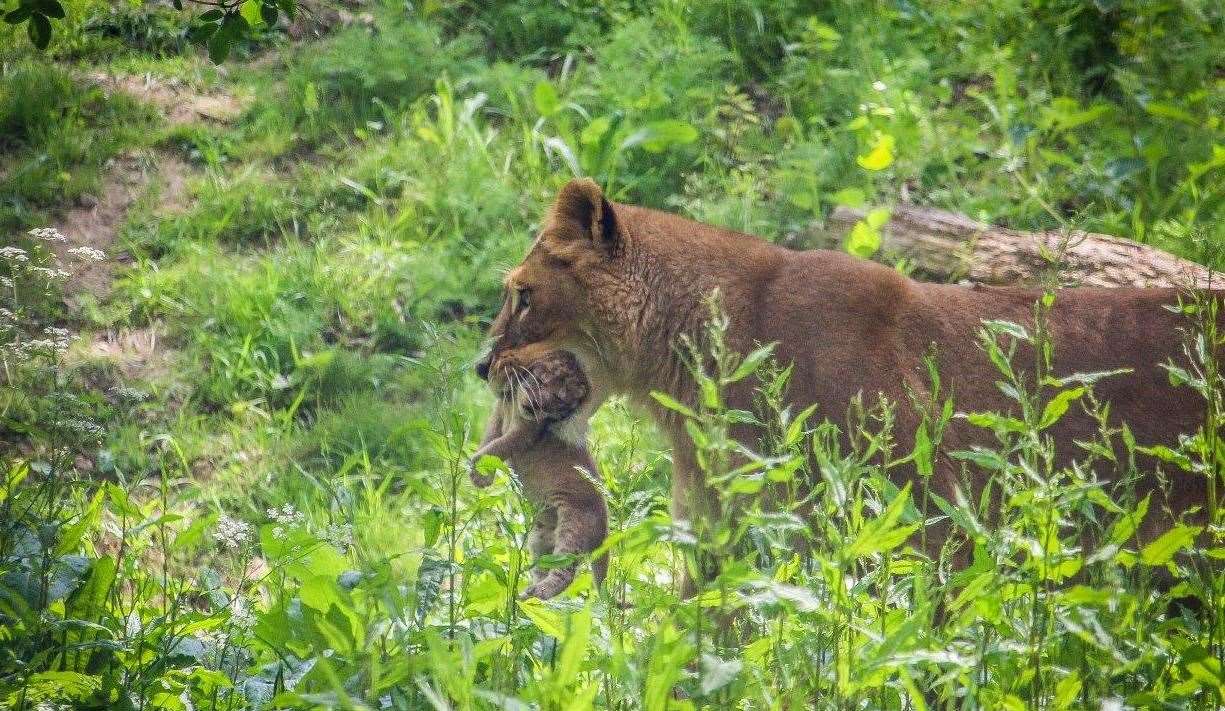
{"x": 271, "y": 510}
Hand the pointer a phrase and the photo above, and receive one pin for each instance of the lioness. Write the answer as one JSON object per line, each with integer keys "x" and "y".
{"x": 539, "y": 427}
{"x": 618, "y": 284}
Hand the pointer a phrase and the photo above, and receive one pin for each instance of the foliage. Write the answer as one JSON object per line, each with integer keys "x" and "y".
{"x": 271, "y": 510}
{"x": 225, "y": 24}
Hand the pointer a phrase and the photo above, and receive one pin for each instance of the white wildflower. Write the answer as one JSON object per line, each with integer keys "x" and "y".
{"x": 132, "y": 625}
{"x": 287, "y": 515}
{"x": 241, "y": 615}
{"x": 879, "y": 85}
{"x": 42, "y": 346}
{"x": 232, "y": 533}
{"x": 88, "y": 253}
{"x": 128, "y": 394}
{"x": 60, "y": 338}
{"x": 339, "y": 535}
{"x": 14, "y": 254}
{"x": 85, "y": 428}
{"x": 47, "y": 234}
{"x": 48, "y": 273}
{"x": 6, "y": 282}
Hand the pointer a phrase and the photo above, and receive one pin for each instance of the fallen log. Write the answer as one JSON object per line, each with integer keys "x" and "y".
{"x": 945, "y": 246}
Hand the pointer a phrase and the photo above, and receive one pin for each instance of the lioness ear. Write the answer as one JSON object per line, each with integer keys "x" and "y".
{"x": 581, "y": 206}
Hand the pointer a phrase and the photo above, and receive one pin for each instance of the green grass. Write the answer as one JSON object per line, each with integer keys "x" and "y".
{"x": 56, "y": 133}
{"x": 324, "y": 290}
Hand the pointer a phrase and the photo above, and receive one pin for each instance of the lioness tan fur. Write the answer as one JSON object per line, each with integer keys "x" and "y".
{"x": 618, "y": 285}
{"x": 539, "y": 427}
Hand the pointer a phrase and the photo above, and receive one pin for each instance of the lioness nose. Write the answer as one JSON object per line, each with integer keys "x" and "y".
{"x": 482, "y": 366}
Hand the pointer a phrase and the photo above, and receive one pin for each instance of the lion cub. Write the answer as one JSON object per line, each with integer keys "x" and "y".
{"x": 538, "y": 427}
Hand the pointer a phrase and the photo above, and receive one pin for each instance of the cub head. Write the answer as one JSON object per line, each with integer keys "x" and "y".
{"x": 547, "y": 303}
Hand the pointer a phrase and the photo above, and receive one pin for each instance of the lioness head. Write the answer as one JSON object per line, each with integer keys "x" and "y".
{"x": 548, "y": 303}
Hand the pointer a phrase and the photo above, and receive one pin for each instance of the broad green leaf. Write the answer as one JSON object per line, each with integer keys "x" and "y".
{"x": 1085, "y": 595}
{"x": 310, "y": 98}
{"x": 39, "y": 29}
{"x": 218, "y": 47}
{"x": 1163, "y": 550}
{"x": 1067, "y": 690}
{"x": 864, "y": 241}
{"x": 751, "y": 363}
{"x": 851, "y": 197}
{"x": 1170, "y": 111}
{"x": 985, "y": 458}
{"x": 995, "y": 421}
{"x": 669, "y": 655}
{"x": 595, "y": 130}
{"x": 546, "y": 619}
{"x": 19, "y": 15}
{"x": 546, "y": 99}
{"x": 574, "y": 648}
{"x": 673, "y": 404}
{"x": 193, "y": 534}
{"x": 877, "y": 217}
{"x": 748, "y": 485}
{"x": 881, "y": 155}
{"x": 923, "y": 452}
{"x": 88, "y": 603}
{"x": 1058, "y": 405}
{"x": 251, "y": 12}
{"x": 61, "y": 685}
{"x": 879, "y": 535}
{"x": 717, "y": 673}
{"x": 1171, "y": 456}
{"x": 320, "y": 592}
{"x": 51, "y": 8}
{"x": 1126, "y": 525}
{"x": 659, "y": 136}
{"x": 268, "y": 13}
{"x": 72, "y": 535}
{"x": 795, "y": 429}
{"x": 1009, "y": 328}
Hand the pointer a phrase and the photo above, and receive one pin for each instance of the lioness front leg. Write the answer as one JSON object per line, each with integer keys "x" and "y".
{"x": 696, "y": 506}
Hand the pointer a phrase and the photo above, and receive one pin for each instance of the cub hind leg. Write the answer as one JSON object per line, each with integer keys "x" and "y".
{"x": 579, "y": 529}
{"x": 541, "y": 541}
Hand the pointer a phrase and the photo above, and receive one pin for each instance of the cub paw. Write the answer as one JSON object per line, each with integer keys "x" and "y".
{"x": 549, "y": 586}
{"x": 478, "y": 479}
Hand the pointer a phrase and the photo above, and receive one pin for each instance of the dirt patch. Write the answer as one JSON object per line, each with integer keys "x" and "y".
{"x": 180, "y": 103}
{"x": 95, "y": 221}
{"x": 173, "y": 173}
{"x": 135, "y": 353}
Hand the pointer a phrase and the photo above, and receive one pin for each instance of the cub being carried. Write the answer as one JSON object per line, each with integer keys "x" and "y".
{"x": 539, "y": 426}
